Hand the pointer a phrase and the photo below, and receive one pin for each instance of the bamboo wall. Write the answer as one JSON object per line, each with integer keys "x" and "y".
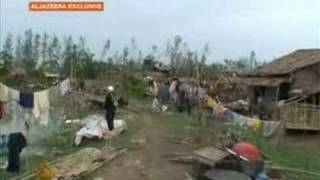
{"x": 307, "y": 79}
{"x": 301, "y": 116}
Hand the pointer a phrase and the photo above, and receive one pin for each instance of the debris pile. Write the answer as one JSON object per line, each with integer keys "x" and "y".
{"x": 95, "y": 126}
{"x": 226, "y": 88}
{"x": 78, "y": 164}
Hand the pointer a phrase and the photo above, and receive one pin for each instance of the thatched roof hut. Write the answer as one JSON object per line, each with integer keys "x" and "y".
{"x": 282, "y": 78}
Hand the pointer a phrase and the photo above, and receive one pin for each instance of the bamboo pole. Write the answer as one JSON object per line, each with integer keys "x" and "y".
{"x": 277, "y": 94}
{"x": 313, "y": 117}
{"x": 200, "y": 118}
{"x": 319, "y": 111}
{"x": 98, "y": 165}
{"x": 294, "y": 170}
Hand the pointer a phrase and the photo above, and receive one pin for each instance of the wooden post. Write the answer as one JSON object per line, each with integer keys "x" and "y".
{"x": 305, "y": 117}
{"x": 295, "y": 112}
{"x": 277, "y": 94}
{"x": 314, "y": 110}
{"x": 319, "y": 111}
{"x": 252, "y": 98}
{"x": 200, "y": 118}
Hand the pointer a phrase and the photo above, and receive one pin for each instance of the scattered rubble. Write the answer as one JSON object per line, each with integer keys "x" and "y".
{"x": 77, "y": 164}
{"x": 137, "y": 143}
{"x": 96, "y": 126}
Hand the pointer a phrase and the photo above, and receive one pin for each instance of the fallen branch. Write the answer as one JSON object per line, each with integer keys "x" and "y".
{"x": 179, "y": 158}
{"x": 31, "y": 174}
{"x": 186, "y": 160}
{"x": 98, "y": 165}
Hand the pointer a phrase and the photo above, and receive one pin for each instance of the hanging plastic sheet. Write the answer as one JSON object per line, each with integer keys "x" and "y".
{"x": 65, "y": 87}
{"x": 14, "y": 95}
{"x": 96, "y": 126}
{"x": 41, "y": 103}
{"x": 4, "y": 93}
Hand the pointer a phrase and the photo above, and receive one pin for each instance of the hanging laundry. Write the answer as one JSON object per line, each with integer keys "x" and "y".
{"x": 16, "y": 143}
{"x": 41, "y": 103}
{"x": 243, "y": 121}
{"x": 1, "y": 110}
{"x": 44, "y": 118}
{"x": 14, "y": 94}
{"x": 4, "y": 93}
{"x": 65, "y": 87}
{"x": 211, "y": 103}
{"x": 200, "y": 93}
{"x": 173, "y": 92}
{"x": 230, "y": 115}
{"x": 4, "y": 138}
{"x": 55, "y": 95}
{"x": 26, "y": 100}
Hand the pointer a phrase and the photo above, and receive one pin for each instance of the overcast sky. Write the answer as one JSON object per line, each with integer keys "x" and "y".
{"x": 232, "y": 27}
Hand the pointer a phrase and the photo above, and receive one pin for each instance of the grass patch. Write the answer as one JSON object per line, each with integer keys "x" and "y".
{"x": 282, "y": 154}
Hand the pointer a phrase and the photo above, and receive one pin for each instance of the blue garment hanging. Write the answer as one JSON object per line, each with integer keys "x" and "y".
{"x": 26, "y": 100}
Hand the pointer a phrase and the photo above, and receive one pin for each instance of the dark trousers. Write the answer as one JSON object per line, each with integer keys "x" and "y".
{"x": 110, "y": 118}
{"x": 13, "y": 160}
{"x": 15, "y": 145}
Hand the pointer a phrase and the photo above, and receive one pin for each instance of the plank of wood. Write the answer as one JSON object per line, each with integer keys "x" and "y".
{"x": 210, "y": 155}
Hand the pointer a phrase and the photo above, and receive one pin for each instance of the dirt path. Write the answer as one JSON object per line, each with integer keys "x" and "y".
{"x": 147, "y": 162}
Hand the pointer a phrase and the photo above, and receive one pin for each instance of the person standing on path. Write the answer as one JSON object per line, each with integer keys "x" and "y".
{"x": 110, "y": 106}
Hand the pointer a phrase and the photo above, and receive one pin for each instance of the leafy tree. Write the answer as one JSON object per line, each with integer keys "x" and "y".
{"x": 53, "y": 62}
{"x": 216, "y": 67}
{"x": 190, "y": 63}
{"x": 28, "y": 59}
{"x": 36, "y": 47}
{"x": 140, "y": 57}
{"x": 133, "y": 48}
{"x": 125, "y": 54}
{"x": 7, "y": 53}
{"x": 67, "y": 56}
{"x": 149, "y": 62}
{"x": 84, "y": 66}
{"x": 54, "y": 50}
{"x": 105, "y": 49}
{"x": 18, "y": 51}
{"x": 175, "y": 50}
{"x": 44, "y": 48}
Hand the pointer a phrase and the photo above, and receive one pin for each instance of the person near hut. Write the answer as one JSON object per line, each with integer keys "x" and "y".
{"x": 184, "y": 97}
{"x": 153, "y": 91}
{"x": 110, "y": 106}
{"x": 164, "y": 95}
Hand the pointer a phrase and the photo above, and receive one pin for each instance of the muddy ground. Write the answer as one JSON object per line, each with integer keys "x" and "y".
{"x": 170, "y": 133}
{"x": 161, "y": 134}
{"x": 153, "y": 136}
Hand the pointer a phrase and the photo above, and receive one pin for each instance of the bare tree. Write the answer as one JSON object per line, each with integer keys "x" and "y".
{"x": 105, "y": 49}
{"x": 36, "y": 47}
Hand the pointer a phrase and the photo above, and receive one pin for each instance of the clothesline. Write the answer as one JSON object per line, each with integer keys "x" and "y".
{"x": 4, "y": 89}
{"x": 38, "y": 102}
